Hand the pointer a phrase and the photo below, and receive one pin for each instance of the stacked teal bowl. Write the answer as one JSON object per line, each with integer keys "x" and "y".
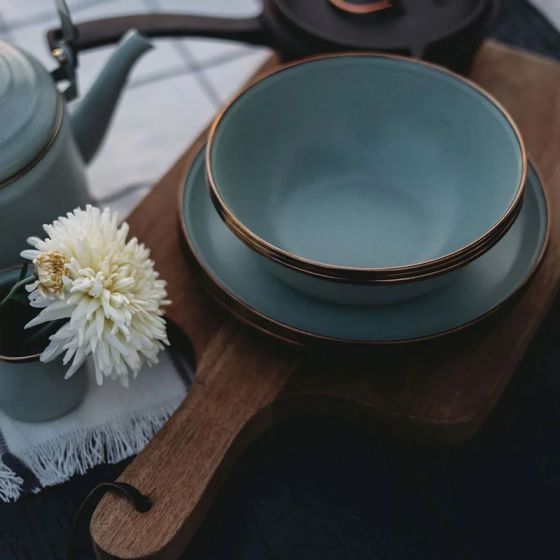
{"x": 365, "y": 178}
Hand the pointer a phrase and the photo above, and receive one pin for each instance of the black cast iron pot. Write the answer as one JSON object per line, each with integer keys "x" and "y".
{"x": 447, "y": 32}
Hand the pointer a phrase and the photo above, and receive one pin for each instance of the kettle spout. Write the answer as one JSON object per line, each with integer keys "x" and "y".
{"x": 91, "y": 118}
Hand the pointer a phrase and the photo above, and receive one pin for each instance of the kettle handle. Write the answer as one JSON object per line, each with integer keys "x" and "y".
{"x": 96, "y": 33}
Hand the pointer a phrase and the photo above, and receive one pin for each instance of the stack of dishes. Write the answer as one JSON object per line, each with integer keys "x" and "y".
{"x": 363, "y": 199}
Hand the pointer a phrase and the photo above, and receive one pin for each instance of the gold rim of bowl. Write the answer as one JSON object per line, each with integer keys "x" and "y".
{"x": 298, "y": 337}
{"x": 405, "y": 273}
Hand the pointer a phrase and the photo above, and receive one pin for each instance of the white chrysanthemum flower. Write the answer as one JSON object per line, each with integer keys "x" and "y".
{"x": 108, "y": 289}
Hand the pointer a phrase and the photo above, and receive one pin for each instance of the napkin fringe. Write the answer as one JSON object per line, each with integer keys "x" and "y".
{"x": 57, "y": 460}
{"x": 11, "y": 484}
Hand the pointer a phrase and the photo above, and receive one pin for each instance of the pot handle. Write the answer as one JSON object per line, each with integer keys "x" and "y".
{"x": 96, "y": 33}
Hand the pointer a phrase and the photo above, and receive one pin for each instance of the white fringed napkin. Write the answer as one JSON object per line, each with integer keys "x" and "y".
{"x": 112, "y": 423}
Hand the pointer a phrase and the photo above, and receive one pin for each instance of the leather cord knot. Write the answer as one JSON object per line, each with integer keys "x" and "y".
{"x": 141, "y": 502}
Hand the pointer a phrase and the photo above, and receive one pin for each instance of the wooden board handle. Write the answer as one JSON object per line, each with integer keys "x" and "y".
{"x": 239, "y": 377}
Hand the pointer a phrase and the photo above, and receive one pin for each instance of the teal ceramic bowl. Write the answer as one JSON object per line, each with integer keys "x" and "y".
{"x": 366, "y": 171}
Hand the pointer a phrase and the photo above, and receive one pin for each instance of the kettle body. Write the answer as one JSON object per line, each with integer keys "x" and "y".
{"x": 45, "y": 145}
{"x": 51, "y": 186}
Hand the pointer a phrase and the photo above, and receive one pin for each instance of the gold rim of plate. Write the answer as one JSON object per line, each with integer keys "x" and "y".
{"x": 299, "y": 337}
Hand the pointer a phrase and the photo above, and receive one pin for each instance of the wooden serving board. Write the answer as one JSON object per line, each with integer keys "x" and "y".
{"x": 441, "y": 390}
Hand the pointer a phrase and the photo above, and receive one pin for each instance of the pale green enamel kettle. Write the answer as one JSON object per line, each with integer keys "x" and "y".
{"x": 44, "y": 147}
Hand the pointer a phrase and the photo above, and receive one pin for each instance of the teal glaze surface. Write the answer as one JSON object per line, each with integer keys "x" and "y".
{"x": 357, "y": 294}
{"x": 92, "y": 116}
{"x": 55, "y": 182}
{"x": 478, "y": 288}
{"x": 32, "y": 391}
{"x": 37, "y": 392}
{"x": 28, "y": 109}
{"x": 51, "y": 188}
{"x": 366, "y": 162}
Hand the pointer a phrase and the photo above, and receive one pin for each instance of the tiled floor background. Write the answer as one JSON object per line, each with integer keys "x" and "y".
{"x": 172, "y": 93}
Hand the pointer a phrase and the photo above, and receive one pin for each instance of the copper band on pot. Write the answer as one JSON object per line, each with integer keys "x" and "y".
{"x": 362, "y": 9}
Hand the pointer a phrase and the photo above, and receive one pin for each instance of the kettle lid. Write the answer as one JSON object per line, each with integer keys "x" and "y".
{"x": 30, "y": 111}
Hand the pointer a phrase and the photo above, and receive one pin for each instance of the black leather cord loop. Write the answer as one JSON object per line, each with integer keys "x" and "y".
{"x": 141, "y": 503}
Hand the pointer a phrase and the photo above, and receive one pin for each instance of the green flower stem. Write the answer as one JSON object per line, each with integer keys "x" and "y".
{"x": 16, "y": 287}
{"x": 23, "y": 270}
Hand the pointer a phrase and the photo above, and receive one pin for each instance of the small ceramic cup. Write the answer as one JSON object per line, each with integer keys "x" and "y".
{"x": 32, "y": 391}
{"x": 366, "y": 178}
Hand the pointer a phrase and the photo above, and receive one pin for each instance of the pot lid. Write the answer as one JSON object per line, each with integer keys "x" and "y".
{"x": 406, "y": 26}
{"x": 30, "y": 111}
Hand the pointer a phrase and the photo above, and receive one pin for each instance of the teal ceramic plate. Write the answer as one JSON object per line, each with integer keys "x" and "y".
{"x": 236, "y": 277}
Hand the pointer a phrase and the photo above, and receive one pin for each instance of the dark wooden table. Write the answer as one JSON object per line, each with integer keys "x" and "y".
{"x": 309, "y": 492}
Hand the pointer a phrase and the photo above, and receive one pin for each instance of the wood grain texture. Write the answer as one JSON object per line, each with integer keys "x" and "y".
{"x": 440, "y": 391}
